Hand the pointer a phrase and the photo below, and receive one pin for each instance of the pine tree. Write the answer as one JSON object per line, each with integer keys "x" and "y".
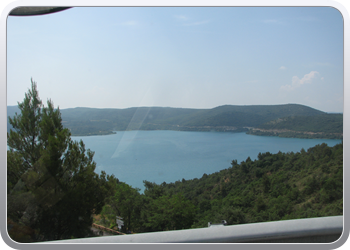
{"x": 24, "y": 138}
{"x": 52, "y": 184}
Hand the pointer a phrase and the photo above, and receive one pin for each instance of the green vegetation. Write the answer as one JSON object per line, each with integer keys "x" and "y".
{"x": 53, "y": 191}
{"x": 274, "y": 187}
{"x": 290, "y": 120}
{"x": 319, "y": 126}
{"x": 228, "y": 118}
{"x": 87, "y": 121}
{"x": 52, "y": 188}
{"x": 328, "y": 123}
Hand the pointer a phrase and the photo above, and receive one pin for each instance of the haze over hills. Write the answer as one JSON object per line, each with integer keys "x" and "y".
{"x": 288, "y": 120}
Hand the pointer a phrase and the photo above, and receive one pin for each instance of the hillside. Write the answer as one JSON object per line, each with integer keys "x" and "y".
{"x": 223, "y": 118}
{"x": 318, "y": 126}
{"x": 232, "y": 118}
{"x": 273, "y": 187}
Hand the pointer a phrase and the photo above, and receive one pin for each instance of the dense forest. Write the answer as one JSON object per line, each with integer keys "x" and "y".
{"x": 53, "y": 191}
{"x": 290, "y": 120}
{"x": 274, "y": 187}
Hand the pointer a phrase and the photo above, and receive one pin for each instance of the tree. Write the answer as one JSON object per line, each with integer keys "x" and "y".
{"x": 266, "y": 183}
{"x": 234, "y": 163}
{"x": 127, "y": 203}
{"x": 25, "y": 137}
{"x": 153, "y": 190}
{"x": 169, "y": 213}
{"x": 54, "y": 173}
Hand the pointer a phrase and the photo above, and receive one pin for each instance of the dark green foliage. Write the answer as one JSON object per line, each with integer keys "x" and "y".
{"x": 273, "y": 187}
{"x": 152, "y": 211}
{"x": 15, "y": 169}
{"x": 266, "y": 183}
{"x": 152, "y": 190}
{"x": 53, "y": 188}
{"x": 168, "y": 213}
{"x": 127, "y": 203}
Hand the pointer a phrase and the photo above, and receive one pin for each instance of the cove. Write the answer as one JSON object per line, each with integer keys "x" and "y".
{"x": 168, "y": 156}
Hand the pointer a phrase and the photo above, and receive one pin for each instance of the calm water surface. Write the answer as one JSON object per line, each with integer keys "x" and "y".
{"x": 158, "y": 156}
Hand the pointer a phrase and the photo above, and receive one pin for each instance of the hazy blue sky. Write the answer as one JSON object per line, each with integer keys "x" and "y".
{"x": 194, "y": 57}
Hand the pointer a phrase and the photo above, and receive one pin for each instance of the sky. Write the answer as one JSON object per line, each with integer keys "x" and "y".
{"x": 188, "y": 57}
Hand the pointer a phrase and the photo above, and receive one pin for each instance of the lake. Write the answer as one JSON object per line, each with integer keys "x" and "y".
{"x": 168, "y": 156}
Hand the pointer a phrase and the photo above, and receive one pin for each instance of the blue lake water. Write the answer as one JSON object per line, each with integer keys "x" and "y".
{"x": 158, "y": 156}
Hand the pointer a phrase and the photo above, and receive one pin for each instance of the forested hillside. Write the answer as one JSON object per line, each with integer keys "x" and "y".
{"x": 290, "y": 120}
{"x": 54, "y": 193}
{"x": 318, "y": 126}
{"x": 274, "y": 187}
{"x": 229, "y": 117}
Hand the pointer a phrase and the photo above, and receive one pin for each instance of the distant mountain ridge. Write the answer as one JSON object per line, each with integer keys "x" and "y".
{"x": 234, "y": 118}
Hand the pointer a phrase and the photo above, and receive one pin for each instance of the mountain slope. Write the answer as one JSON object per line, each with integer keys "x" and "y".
{"x": 93, "y": 121}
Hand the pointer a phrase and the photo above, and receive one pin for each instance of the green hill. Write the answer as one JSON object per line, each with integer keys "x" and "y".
{"x": 233, "y": 118}
{"x": 318, "y": 126}
{"x": 273, "y": 187}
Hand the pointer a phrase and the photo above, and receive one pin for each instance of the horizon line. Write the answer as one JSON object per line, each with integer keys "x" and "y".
{"x": 244, "y": 105}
